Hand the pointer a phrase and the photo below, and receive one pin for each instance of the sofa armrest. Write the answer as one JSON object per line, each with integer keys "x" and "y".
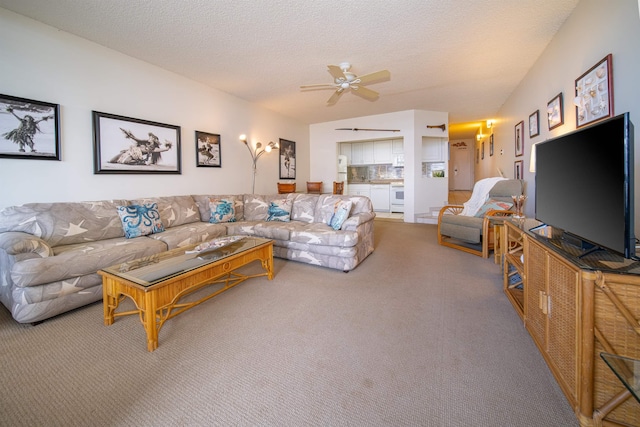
{"x": 352, "y": 223}
{"x": 17, "y": 242}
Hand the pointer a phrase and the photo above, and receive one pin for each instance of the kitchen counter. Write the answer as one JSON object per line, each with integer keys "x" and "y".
{"x": 378, "y": 181}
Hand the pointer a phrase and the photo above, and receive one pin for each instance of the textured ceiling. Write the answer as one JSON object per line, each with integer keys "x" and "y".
{"x": 460, "y": 56}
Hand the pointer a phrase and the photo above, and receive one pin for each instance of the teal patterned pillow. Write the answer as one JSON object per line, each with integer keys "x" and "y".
{"x": 222, "y": 210}
{"x": 280, "y": 210}
{"x": 340, "y": 213}
{"x": 140, "y": 220}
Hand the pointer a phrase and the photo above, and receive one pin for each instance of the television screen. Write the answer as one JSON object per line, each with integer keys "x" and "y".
{"x": 584, "y": 184}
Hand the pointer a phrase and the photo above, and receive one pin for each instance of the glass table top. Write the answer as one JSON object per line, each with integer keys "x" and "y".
{"x": 153, "y": 269}
{"x": 627, "y": 370}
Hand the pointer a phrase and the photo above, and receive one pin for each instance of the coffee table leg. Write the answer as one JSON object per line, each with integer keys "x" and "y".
{"x": 150, "y": 320}
{"x": 109, "y": 302}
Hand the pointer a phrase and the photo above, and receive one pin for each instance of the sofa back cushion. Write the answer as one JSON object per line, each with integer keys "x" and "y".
{"x": 304, "y": 207}
{"x": 65, "y": 223}
{"x": 174, "y": 210}
{"x": 202, "y": 201}
{"x": 327, "y": 202}
{"x": 256, "y": 206}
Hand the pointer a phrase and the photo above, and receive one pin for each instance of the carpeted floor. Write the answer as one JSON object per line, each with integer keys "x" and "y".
{"x": 417, "y": 335}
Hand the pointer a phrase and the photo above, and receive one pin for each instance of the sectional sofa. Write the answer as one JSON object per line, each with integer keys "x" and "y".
{"x": 50, "y": 252}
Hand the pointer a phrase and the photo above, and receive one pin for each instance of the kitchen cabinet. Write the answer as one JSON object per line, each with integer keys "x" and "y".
{"x": 434, "y": 150}
{"x": 397, "y": 146}
{"x": 382, "y": 152}
{"x": 362, "y": 153}
{"x": 380, "y": 197}
{"x": 345, "y": 150}
{"x": 359, "y": 190}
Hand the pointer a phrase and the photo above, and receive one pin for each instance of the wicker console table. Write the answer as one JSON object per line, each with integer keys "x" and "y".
{"x": 575, "y": 309}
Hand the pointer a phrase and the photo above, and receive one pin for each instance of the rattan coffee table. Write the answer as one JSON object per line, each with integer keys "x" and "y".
{"x": 158, "y": 283}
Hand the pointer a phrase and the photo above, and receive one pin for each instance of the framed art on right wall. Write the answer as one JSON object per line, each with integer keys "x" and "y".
{"x": 555, "y": 113}
{"x": 594, "y": 93}
{"x": 519, "y": 139}
{"x": 534, "y": 124}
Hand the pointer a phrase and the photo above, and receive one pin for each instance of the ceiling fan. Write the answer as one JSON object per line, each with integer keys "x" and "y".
{"x": 344, "y": 80}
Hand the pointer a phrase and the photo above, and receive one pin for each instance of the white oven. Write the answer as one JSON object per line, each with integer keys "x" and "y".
{"x": 397, "y": 197}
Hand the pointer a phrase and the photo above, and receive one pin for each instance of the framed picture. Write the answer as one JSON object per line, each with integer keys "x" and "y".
{"x": 134, "y": 146}
{"x": 482, "y": 151}
{"x": 287, "y": 159}
{"x": 555, "y": 113}
{"x": 29, "y": 129}
{"x": 594, "y": 93}
{"x": 491, "y": 145}
{"x": 517, "y": 169}
{"x": 519, "y": 138}
{"x": 534, "y": 124}
{"x": 208, "y": 150}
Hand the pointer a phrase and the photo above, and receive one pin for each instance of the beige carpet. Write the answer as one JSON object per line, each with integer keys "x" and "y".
{"x": 417, "y": 335}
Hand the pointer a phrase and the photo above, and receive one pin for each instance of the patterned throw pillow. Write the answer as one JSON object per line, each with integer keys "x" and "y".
{"x": 493, "y": 205}
{"x": 222, "y": 210}
{"x": 140, "y": 220}
{"x": 341, "y": 211}
{"x": 280, "y": 210}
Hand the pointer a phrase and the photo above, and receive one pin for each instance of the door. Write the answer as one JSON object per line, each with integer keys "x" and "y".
{"x": 461, "y": 166}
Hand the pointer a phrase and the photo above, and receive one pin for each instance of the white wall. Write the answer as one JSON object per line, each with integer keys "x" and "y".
{"x": 412, "y": 126}
{"x": 42, "y": 63}
{"x": 595, "y": 29}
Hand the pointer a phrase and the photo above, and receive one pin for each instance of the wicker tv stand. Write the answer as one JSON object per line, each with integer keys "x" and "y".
{"x": 575, "y": 309}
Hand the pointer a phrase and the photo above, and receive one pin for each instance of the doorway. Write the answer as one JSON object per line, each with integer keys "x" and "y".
{"x": 461, "y": 165}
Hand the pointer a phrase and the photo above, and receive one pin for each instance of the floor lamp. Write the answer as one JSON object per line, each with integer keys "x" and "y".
{"x": 256, "y": 152}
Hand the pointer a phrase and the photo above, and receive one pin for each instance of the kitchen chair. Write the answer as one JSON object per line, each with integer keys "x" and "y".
{"x": 286, "y": 187}
{"x": 314, "y": 187}
{"x": 473, "y": 232}
{"x": 338, "y": 187}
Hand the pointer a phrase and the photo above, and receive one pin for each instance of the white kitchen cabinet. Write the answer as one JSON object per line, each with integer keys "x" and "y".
{"x": 434, "y": 150}
{"x": 359, "y": 190}
{"x": 397, "y": 146}
{"x": 345, "y": 150}
{"x": 362, "y": 153}
{"x": 356, "y": 153}
{"x": 380, "y": 197}
{"x": 382, "y": 152}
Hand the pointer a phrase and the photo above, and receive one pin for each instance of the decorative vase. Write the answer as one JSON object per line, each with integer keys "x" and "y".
{"x": 518, "y": 204}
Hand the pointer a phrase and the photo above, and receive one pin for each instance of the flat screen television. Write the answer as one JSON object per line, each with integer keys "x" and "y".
{"x": 584, "y": 185}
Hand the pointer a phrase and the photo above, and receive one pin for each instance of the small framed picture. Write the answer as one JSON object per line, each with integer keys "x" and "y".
{"x": 519, "y": 138}
{"x": 134, "y": 146}
{"x": 534, "y": 124}
{"x": 29, "y": 129}
{"x": 287, "y": 159}
{"x": 491, "y": 145}
{"x": 555, "y": 113}
{"x": 517, "y": 169}
{"x": 208, "y": 150}
{"x": 482, "y": 151}
{"x": 594, "y": 93}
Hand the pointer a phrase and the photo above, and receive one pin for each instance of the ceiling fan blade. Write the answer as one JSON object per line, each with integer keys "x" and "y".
{"x": 379, "y": 76}
{"x": 365, "y": 93}
{"x": 336, "y": 72}
{"x": 318, "y": 86}
{"x": 334, "y": 98}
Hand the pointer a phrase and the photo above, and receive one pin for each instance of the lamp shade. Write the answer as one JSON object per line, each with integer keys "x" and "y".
{"x": 532, "y": 160}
